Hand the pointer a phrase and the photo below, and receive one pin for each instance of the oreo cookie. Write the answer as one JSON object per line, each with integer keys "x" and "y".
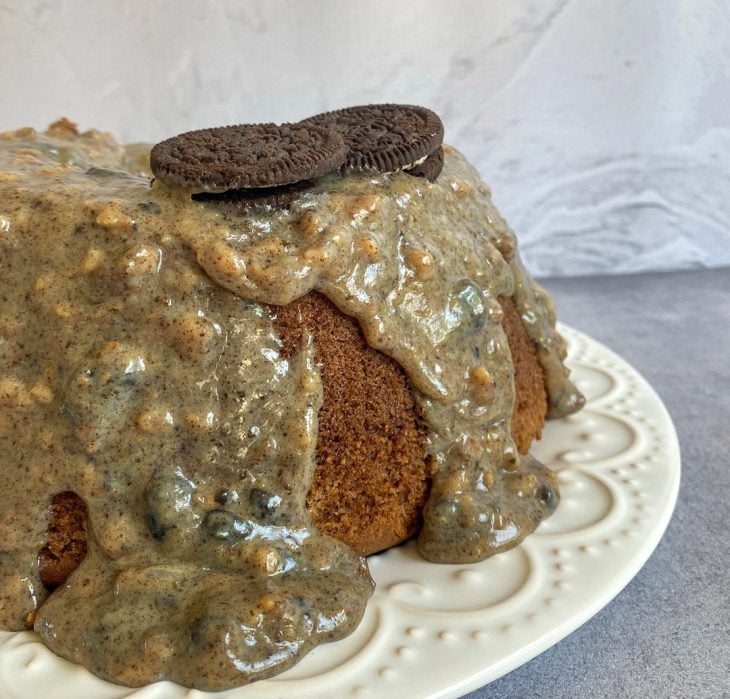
{"x": 241, "y": 200}
{"x": 431, "y": 167}
{"x": 248, "y": 156}
{"x": 384, "y": 137}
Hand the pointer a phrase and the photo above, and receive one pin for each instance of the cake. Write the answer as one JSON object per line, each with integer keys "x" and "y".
{"x": 223, "y": 386}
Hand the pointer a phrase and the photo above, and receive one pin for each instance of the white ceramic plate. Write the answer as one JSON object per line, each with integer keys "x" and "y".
{"x": 442, "y": 630}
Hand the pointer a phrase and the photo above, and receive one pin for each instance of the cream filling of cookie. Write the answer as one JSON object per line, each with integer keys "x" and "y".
{"x": 410, "y": 166}
{"x": 140, "y": 368}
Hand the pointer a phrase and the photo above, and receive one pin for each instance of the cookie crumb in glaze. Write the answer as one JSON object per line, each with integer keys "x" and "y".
{"x": 158, "y": 388}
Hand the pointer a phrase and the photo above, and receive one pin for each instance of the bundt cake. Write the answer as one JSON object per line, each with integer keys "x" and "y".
{"x": 224, "y": 385}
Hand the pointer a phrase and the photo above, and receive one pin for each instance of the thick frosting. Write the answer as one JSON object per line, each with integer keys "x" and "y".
{"x": 140, "y": 367}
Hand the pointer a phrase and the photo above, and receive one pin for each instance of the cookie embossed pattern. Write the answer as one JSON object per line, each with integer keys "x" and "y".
{"x": 619, "y": 466}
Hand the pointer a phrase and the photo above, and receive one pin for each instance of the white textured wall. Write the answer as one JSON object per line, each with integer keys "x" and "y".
{"x": 602, "y": 125}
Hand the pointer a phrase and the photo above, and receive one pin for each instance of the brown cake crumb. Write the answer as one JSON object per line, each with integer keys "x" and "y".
{"x": 371, "y": 480}
{"x": 66, "y": 546}
{"x": 528, "y": 415}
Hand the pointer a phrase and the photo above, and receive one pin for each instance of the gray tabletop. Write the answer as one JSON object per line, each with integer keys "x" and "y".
{"x": 668, "y": 633}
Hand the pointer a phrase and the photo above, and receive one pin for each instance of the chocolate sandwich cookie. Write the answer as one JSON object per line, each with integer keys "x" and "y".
{"x": 384, "y": 137}
{"x": 241, "y": 200}
{"x": 248, "y": 156}
{"x": 431, "y": 167}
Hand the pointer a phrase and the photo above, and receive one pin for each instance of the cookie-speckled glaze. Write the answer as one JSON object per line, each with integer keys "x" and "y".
{"x": 142, "y": 370}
